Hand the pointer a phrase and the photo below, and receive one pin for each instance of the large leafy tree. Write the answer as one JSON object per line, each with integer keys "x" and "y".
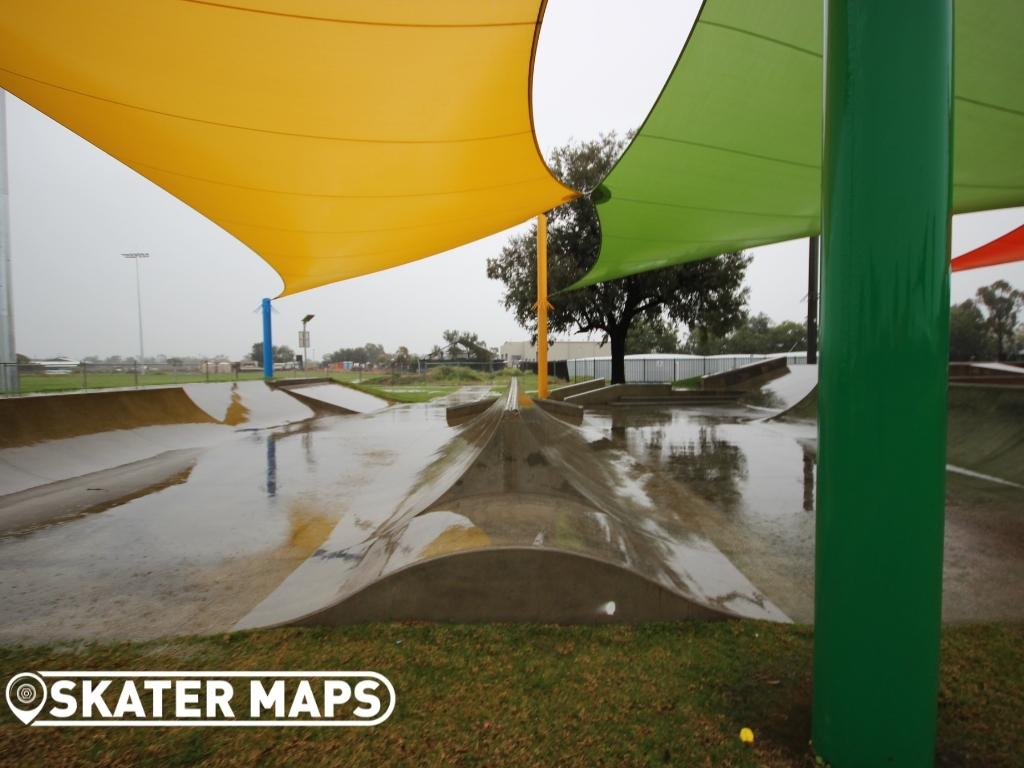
{"x": 463, "y": 344}
{"x": 706, "y": 294}
{"x": 280, "y": 354}
{"x": 968, "y": 335}
{"x": 1001, "y": 302}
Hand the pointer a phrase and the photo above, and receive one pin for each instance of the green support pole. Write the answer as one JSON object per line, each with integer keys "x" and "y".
{"x": 886, "y": 193}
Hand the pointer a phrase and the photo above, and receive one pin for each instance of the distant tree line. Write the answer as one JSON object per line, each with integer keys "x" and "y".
{"x": 986, "y": 327}
{"x": 756, "y": 335}
{"x": 374, "y": 355}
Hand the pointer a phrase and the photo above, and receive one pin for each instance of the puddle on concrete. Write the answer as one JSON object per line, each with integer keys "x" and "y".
{"x": 202, "y": 554}
{"x": 198, "y": 555}
{"x": 759, "y": 477}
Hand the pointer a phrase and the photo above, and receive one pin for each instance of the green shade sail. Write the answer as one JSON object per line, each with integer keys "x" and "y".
{"x": 730, "y": 155}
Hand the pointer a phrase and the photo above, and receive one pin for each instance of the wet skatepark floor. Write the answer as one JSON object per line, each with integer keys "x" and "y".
{"x": 759, "y": 479}
{"x": 213, "y": 539}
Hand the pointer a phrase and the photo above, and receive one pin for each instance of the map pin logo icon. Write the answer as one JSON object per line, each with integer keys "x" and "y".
{"x": 26, "y": 696}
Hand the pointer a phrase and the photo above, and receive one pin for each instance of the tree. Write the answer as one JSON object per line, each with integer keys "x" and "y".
{"x": 375, "y": 354}
{"x": 364, "y": 355}
{"x": 652, "y": 336}
{"x": 463, "y": 344}
{"x": 968, "y": 334}
{"x": 1001, "y": 302}
{"x": 707, "y": 294}
{"x": 280, "y": 354}
{"x": 401, "y": 358}
{"x": 756, "y": 335}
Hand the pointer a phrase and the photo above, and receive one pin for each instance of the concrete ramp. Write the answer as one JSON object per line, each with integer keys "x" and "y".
{"x": 247, "y": 404}
{"x": 38, "y": 418}
{"x": 781, "y": 389}
{"x": 985, "y": 433}
{"x": 53, "y": 438}
{"x": 327, "y": 396}
{"x": 522, "y": 518}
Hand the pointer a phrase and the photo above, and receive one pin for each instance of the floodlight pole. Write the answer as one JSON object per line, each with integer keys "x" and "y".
{"x": 304, "y": 340}
{"x": 137, "y": 257}
{"x": 886, "y": 201}
{"x": 8, "y": 354}
{"x": 268, "y": 342}
{"x": 542, "y": 306}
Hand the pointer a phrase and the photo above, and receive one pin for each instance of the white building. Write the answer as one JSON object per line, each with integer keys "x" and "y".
{"x": 513, "y": 352}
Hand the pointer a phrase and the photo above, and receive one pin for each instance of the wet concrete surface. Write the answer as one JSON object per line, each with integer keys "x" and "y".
{"x": 345, "y": 398}
{"x": 197, "y": 549}
{"x": 521, "y": 481}
{"x": 759, "y": 479}
{"x": 780, "y": 390}
{"x": 263, "y": 525}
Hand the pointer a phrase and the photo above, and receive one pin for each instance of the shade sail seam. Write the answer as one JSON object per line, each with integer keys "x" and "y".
{"x": 469, "y": 190}
{"x": 724, "y": 149}
{"x": 714, "y": 210}
{"x": 775, "y": 40}
{"x": 988, "y": 105}
{"x": 1008, "y": 187}
{"x": 672, "y": 241}
{"x": 268, "y": 131}
{"x": 358, "y": 22}
{"x": 225, "y": 222}
{"x": 727, "y": 245}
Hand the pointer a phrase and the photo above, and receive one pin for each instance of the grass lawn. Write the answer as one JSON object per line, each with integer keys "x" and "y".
{"x": 535, "y": 696}
{"x": 419, "y": 388}
{"x": 692, "y": 383}
{"x": 400, "y": 393}
{"x": 401, "y": 388}
{"x": 527, "y": 383}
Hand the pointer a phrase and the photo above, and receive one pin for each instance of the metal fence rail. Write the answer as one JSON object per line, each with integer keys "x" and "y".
{"x": 50, "y": 377}
{"x": 664, "y": 370}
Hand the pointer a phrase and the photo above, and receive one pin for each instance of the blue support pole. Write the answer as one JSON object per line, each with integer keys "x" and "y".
{"x": 268, "y": 343}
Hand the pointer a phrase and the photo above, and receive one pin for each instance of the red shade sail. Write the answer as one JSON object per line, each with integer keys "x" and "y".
{"x": 1002, "y": 250}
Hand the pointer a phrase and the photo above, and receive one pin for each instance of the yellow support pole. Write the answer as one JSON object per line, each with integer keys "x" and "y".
{"x": 542, "y": 306}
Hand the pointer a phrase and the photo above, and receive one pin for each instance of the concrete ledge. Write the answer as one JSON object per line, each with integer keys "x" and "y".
{"x": 460, "y": 414}
{"x": 567, "y": 412}
{"x": 651, "y": 394}
{"x": 94, "y": 492}
{"x": 744, "y": 373}
{"x": 319, "y": 407}
{"x": 576, "y": 389}
{"x": 614, "y": 392}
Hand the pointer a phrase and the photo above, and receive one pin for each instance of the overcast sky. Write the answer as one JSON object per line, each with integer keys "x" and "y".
{"x": 600, "y": 65}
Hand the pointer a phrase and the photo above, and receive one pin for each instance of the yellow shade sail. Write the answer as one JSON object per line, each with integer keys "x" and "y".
{"x": 335, "y": 138}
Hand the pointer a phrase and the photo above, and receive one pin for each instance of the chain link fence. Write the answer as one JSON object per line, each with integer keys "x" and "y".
{"x": 53, "y": 376}
{"x": 664, "y": 369}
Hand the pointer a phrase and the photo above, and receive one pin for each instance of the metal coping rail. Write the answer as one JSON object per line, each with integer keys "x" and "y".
{"x": 512, "y": 398}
